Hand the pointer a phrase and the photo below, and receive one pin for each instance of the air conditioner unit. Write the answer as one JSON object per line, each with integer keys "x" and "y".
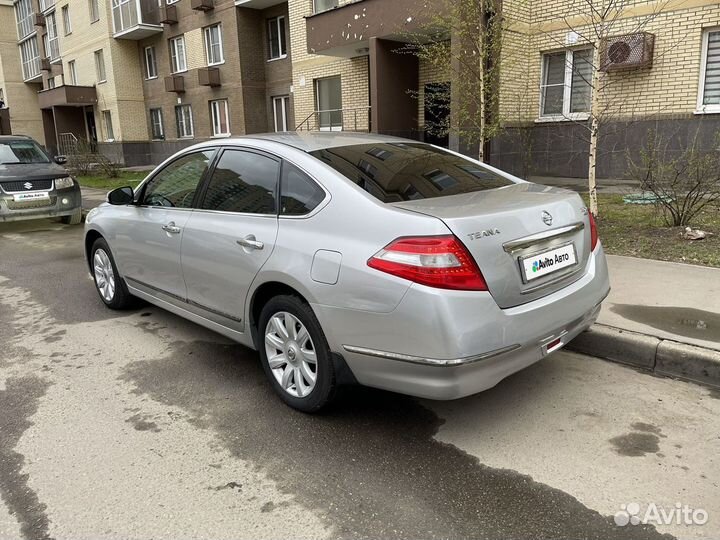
{"x": 626, "y": 52}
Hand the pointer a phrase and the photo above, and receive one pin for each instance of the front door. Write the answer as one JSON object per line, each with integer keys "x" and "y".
{"x": 437, "y": 113}
{"x": 328, "y": 94}
{"x": 148, "y": 251}
{"x": 231, "y": 234}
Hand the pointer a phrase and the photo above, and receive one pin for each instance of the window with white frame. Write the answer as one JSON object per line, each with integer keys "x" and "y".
{"x": 168, "y": 2}
{"x": 100, "y": 66}
{"x": 150, "y": 63}
{"x": 565, "y": 89}
{"x": 72, "y": 70}
{"x": 219, "y": 117}
{"x": 709, "y": 94}
{"x": 24, "y": 17}
{"x": 277, "y": 41}
{"x": 94, "y": 9}
{"x": 213, "y": 45}
{"x": 183, "y": 121}
{"x": 156, "y": 124}
{"x": 107, "y": 121}
{"x": 281, "y": 106}
{"x": 30, "y": 58}
{"x": 67, "y": 25}
{"x": 52, "y": 42}
{"x": 124, "y": 14}
{"x": 51, "y": 82}
{"x": 178, "y": 60}
{"x": 323, "y": 5}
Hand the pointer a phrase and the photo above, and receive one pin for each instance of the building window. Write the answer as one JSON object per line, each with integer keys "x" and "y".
{"x": 107, "y": 120}
{"x": 125, "y": 14}
{"x": 178, "y": 61}
{"x": 276, "y": 37}
{"x": 183, "y": 120}
{"x": 281, "y": 104}
{"x": 46, "y": 4}
{"x": 328, "y": 99}
{"x": 170, "y": 1}
{"x": 94, "y": 9}
{"x": 51, "y": 82}
{"x": 156, "y": 124}
{"x": 219, "y": 117}
{"x": 709, "y": 95}
{"x": 566, "y": 84}
{"x": 24, "y": 18}
{"x": 213, "y": 45}
{"x": 100, "y": 66}
{"x": 324, "y": 5}
{"x": 30, "y": 57}
{"x": 67, "y": 26}
{"x": 52, "y": 44}
{"x": 150, "y": 63}
{"x": 73, "y": 72}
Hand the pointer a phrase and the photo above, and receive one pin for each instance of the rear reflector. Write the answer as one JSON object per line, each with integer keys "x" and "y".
{"x": 593, "y": 232}
{"x": 436, "y": 261}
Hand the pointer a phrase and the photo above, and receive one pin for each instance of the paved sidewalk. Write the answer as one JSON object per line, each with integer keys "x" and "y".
{"x": 667, "y": 300}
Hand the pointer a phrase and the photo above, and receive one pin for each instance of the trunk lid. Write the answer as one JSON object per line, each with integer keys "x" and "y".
{"x": 506, "y": 230}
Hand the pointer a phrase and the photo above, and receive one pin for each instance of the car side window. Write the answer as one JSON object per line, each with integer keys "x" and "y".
{"x": 176, "y": 184}
{"x": 299, "y": 194}
{"x": 243, "y": 182}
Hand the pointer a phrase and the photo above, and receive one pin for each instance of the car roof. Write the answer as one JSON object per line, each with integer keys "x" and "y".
{"x": 312, "y": 141}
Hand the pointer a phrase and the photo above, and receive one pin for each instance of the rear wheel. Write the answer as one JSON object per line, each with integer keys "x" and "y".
{"x": 72, "y": 219}
{"x": 295, "y": 354}
{"x": 110, "y": 286}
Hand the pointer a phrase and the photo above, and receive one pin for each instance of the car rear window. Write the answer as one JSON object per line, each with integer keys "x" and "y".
{"x": 395, "y": 172}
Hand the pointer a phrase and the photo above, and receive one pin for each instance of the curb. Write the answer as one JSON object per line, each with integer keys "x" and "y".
{"x": 661, "y": 356}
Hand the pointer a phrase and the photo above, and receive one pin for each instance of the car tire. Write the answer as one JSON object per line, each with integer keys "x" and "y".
{"x": 73, "y": 219}
{"x": 110, "y": 286}
{"x": 291, "y": 361}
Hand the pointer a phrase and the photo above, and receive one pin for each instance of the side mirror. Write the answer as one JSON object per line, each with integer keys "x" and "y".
{"x": 121, "y": 195}
{"x": 61, "y": 160}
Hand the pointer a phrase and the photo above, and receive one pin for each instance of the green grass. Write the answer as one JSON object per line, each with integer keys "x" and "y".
{"x": 639, "y": 231}
{"x": 126, "y": 178}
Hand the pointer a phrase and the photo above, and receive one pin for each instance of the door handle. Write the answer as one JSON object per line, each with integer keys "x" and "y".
{"x": 249, "y": 242}
{"x": 171, "y": 228}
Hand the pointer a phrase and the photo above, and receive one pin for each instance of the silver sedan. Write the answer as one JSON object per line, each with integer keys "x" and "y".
{"x": 347, "y": 258}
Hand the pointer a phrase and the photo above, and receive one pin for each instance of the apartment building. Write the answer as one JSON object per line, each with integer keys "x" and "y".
{"x": 141, "y": 79}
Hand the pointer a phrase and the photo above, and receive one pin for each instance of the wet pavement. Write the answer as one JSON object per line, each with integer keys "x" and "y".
{"x": 143, "y": 425}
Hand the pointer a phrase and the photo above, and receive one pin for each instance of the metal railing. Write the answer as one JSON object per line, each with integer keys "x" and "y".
{"x": 350, "y": 119}
{"x": 67, "y": 144}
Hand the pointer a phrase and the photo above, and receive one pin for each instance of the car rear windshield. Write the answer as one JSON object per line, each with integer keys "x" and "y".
{"x": 21, "y": 152}
{"x": 395, "y": 172}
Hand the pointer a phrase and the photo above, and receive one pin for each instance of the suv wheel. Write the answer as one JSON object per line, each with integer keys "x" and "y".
{"x": 73, "y": 219}
{"x": 295, "y": 354}
{"x": 110, "y": 286}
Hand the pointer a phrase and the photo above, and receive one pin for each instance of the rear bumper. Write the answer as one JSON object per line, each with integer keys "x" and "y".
{"x": 448, "y": 344}
{"x": 55, "y": 208}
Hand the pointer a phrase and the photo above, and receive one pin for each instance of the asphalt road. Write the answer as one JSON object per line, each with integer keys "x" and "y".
{"x": 143, "y": 425}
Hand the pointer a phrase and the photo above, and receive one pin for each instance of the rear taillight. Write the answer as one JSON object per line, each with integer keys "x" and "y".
{"x": 435, "y": 261}
{"x": 593, "y": 232}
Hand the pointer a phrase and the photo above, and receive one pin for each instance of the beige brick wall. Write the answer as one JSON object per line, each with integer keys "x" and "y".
{"x": 20, "y": 97}
{"x": 669, "y": 88}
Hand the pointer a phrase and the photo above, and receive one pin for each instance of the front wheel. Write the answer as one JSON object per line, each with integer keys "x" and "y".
{"x": 110, "y": 286}
{"x": 295, "y": 354}
{"x": 73, "y": 219}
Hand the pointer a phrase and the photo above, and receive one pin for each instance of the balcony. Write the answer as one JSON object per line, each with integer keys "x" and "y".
{"x": 202, "y": 5}
{"x": 135, "y": 19}
{"x": 38, "y": 19}
{"x": 209, "y": 76}
{"x": 258, "y": 4}
{"x": 167, "y": 15}
{"x": 67, "y": 96}
{"x": 175, "y": 83}
{"x": 359, "y": 22}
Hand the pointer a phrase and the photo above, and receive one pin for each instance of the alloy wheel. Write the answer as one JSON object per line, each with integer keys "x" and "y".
{"x": 291, "y": 354}
{"x": 104, "y": 275}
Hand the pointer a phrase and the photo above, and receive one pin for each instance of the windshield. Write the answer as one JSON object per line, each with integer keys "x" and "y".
{"x": 396, "y": 172}
{"x": 20, "y": 152}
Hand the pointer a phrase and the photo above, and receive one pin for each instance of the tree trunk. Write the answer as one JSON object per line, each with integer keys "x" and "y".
{"x": 594, "y": 128}
{"x": 481, "y": 59}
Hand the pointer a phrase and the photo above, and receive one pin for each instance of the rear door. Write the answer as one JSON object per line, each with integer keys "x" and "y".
{"x": 147, "y": 246}
{"x": 231, "y": 234}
